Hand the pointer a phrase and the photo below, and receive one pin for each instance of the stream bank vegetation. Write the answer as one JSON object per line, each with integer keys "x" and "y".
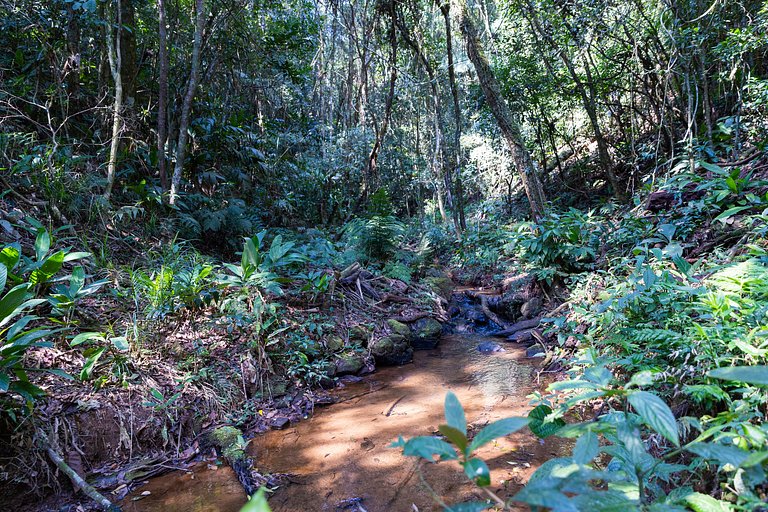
{"x": 212, "y": 212}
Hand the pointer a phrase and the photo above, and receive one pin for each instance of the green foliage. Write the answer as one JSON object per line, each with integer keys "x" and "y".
{"x": 457, "y": 446}
{"x": 376, "y": 237}
{"x": 21, "y": 326}
{"x": 561, "y": 243}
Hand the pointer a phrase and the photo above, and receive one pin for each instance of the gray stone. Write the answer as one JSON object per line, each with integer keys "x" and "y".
{"x": 349, "y": 364}
{"x": 426, "y": 333}
{"x": 532, "y": 307}
{"x": 489, "y": 346}
{"x": 392, "y": 350}
{"x": 400, "y": 328}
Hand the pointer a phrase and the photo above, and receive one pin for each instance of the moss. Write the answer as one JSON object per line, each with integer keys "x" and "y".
{"x": 399, "y": 328}
{"x": 334, "y": 343}
{"x": 230, "y": 443}
{"x": 442, "y": 286}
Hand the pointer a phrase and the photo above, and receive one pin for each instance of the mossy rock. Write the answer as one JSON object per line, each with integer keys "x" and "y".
{"x": 334, "y": 343}
{"x": 349, "y": 363}
{"x": 442, "y": 286}
{"x": 230, "y": 443}
{"x": 426, "y": 333}
{"x": 359, "y": 335}
{"x": 392, "y": 350}
{"x": 400, "y": 328}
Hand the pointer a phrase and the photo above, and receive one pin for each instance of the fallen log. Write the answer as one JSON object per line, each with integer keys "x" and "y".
{"x": 230, "y": 444}
{"x": 519, "y": 326}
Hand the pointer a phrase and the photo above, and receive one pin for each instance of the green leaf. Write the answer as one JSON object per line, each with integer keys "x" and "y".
{"x": 478, "y": 472}
{"x": 90, "y": 362}
{"x": 470, "y": 506}
{"x": 586, "y": 449}
{"x": 86, "y": 336}
{"x": 74, "y": 256}
{"x": 42, "y": 244}
{"x": 11, "y": 301}
{"x": 53, "y": 264}
{"x": 656, "y": 414}
{"x": 702, "y": 503}
{"x": 10, "y": 256}
{"x": 120, "y": 343}
{"x": 427, "y": 447}
{"x": 454, "y": 436}
{"x": 4, "y": 381}
{"x": 720, "y": 453}
{"x": 757, "y": 375}
{"x": 730, "y": 212}
{"x": 77, "y": 280}
{"x": 257, "y": 503}
{"x": 497, "y": 429}
{"x": 454, "y": 413}
{"x": 537, "y": 424}
{"x": 3, "y": 277}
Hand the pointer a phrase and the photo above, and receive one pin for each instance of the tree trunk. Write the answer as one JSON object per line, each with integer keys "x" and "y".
{"x": 162, "y": 97}
{"x": 115, "y": 62}
{"x": 440, "y": 162}
{"x": 459, "y": 187}
{"x": 371, "y": 171}
{"x": 186, "y": 108}
{"x": 502, "y": 113}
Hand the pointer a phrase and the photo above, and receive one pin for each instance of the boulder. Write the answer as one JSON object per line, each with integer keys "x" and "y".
{"x": 349, "y": 363}
{"x": 532, "y": 307}
{"x": 400, "y": 328}
{"x": 359, "y": 335}
{"x": 426, "y": 333}
{"x": 334, "y": 343}
{"x": 392, "y": 350}
{"x": 535, "y": 351}
{"x": 441, "y": 286}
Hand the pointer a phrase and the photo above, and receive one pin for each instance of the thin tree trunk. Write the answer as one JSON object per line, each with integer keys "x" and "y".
{"x": 115, "y": 62}
{"x": 502, "y": 113}
{"x": 186, "y": 108}
{"x": 162, "y": 97}
{"x": 440, "y": 160}
{"x": 372, "y": 172}
{"x": 459, "y": 186}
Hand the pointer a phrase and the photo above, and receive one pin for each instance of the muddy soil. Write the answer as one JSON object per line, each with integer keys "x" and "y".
{"x": 341, "y": 460}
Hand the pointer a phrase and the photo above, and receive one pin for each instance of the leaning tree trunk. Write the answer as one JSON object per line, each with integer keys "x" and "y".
{"x": 162, "y": 97}
{"x": 115, "y": 64}
{"x": 186, "y": 108}
{"x": 502, "y": 113}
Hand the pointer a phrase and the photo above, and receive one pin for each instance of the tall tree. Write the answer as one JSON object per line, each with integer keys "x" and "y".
{"x": 115, "y": 65}
{"x": 162, "y": 96}
{"x": 186, "y": 108}
{"x": 502, "y": 113}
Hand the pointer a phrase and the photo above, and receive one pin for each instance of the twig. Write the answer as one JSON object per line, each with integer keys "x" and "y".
{"x": 84, "y": 486}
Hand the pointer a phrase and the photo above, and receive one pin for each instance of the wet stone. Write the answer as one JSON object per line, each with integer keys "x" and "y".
{"x": 490, "y": 347}
{"x": 279, "y": 422}
{"x": 426, "y": 333}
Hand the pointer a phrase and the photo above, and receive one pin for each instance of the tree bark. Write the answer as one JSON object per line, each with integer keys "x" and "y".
{"x": 115, "y": 63}
{"x": 371, "y": 171}
{"x": 502, "y": 113}
{"x": 162, "y": 97}
{"x": 186, "y": 108}
{"x": 458, "y": 183}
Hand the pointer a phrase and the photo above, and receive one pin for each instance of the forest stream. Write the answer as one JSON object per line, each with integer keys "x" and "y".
{"x": 341, "y": 458}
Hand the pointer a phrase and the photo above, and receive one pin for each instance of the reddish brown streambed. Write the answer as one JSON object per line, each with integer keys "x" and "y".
{"x": 341, "y": 456}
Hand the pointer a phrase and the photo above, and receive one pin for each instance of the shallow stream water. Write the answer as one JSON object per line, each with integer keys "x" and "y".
{"x": 340, "y": 459}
